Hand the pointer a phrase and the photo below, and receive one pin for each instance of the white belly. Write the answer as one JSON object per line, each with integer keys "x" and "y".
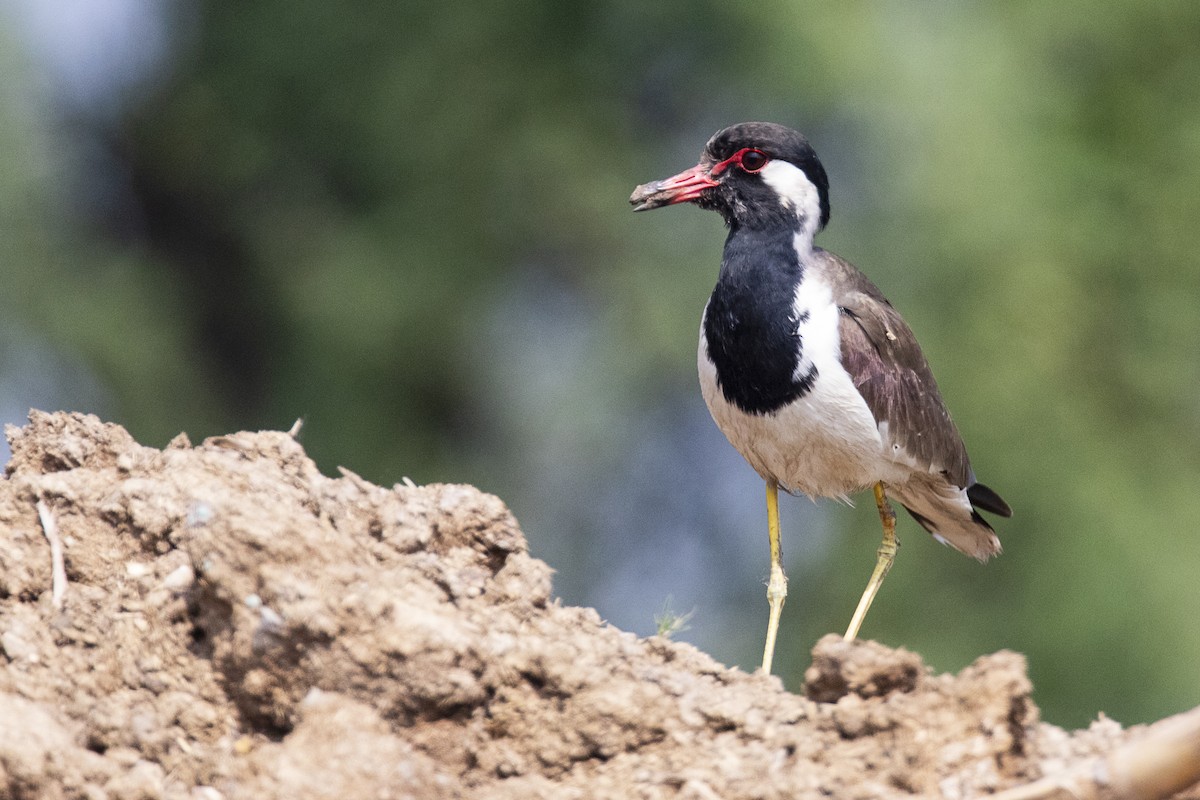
{"x": 827, "y": 443}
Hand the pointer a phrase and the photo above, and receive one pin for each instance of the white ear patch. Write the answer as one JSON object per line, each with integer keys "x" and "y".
{"x": 796, "y": 191}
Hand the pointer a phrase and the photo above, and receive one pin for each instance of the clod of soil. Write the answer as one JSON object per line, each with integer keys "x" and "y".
{"x": 237, "y": 625}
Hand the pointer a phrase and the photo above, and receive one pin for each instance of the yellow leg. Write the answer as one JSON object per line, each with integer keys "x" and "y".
{"x": 777, "y": 586}
{"x": 886, "y": 555}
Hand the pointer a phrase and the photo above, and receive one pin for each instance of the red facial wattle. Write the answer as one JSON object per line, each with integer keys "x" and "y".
{"x": 748, "y": 158}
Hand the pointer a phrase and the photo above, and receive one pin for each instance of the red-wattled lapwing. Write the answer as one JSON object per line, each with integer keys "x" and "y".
{"x": 806, "y": 367}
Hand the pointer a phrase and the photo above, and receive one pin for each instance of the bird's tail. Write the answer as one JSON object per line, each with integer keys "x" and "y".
{"x": 948, "y": 512}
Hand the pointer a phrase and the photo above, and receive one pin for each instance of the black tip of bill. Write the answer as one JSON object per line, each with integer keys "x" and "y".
{"x": 651, "y": 195}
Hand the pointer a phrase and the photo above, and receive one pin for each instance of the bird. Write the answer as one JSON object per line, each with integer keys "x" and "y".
{"x": 807, "y": 368}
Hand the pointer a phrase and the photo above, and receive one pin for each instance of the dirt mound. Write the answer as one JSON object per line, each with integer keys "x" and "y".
{"x": 234, "y": 624}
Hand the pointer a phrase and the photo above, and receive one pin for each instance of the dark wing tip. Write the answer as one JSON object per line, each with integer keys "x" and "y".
{"x": 983, "y": 497}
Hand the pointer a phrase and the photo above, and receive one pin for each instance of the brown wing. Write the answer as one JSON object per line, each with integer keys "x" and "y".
{"x": 881, "y": 354}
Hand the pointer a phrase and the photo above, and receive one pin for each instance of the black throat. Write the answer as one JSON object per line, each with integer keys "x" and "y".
{"x": 751, "y": 327}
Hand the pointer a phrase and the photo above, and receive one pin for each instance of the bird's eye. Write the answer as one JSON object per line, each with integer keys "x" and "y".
{"x": 753, "y": 160}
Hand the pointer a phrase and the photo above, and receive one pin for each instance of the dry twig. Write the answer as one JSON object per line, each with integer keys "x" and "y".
{"x": 58, "y": 571}
{"x": 1164, "y": 761}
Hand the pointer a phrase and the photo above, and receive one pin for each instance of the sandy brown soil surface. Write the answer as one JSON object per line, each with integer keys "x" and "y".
{"x": 237, "y": 625}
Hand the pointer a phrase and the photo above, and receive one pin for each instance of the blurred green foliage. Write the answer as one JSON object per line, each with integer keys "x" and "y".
{"x": 345, "y": 213}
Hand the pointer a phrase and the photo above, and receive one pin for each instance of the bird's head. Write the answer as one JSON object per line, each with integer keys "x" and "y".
{"x": 755, "y": 174}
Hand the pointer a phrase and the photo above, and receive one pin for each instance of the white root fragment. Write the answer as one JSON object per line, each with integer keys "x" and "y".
{"x": 58, "y": 570}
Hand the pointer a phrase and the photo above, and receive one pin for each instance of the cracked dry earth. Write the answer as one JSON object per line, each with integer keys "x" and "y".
{"x": 237, "y": 625}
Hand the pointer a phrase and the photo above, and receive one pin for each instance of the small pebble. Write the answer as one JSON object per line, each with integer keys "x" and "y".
{"x": 180, "y": 578}
{"x": 16, "y": 648}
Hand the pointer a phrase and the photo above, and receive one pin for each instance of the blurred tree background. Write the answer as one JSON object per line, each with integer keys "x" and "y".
{"x": 407, "y": 224}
